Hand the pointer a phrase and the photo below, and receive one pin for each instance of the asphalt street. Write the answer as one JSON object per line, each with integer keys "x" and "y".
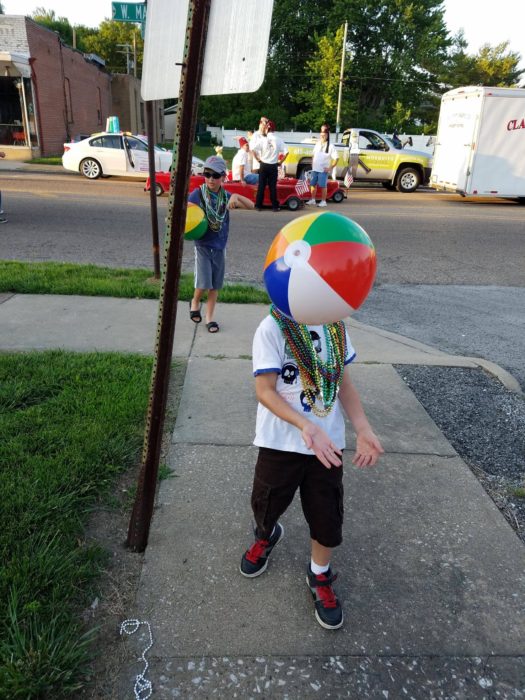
{"x": 450, "y": 274}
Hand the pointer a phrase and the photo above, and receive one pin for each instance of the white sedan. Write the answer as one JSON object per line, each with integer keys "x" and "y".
{"x": 117, "y": 154}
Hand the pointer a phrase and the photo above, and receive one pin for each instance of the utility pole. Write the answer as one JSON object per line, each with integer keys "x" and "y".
{"x": 341, "y": 74}
{"x": 127, "y": 48}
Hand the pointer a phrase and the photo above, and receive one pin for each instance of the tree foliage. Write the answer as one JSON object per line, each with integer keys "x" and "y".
{"x": 110, "y": 42}
{"x": 61, "y": 25}
{"x": 399, "y": 59}
{"x": 322, "y": 72}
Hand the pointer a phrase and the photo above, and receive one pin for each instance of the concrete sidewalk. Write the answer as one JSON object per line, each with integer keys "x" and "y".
{"x": 432, "y": 578}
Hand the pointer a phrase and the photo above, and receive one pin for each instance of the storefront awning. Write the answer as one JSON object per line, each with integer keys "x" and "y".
{"x": 14, "y": 64}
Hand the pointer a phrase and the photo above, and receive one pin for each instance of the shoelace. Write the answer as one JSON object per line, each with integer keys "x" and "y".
{"x": 325, "y": 592}
{"x": 256, "y": 551}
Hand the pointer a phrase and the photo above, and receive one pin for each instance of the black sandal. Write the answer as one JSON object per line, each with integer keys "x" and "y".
{"x": 195, "y": 316}
{"x": 213, "y": 327}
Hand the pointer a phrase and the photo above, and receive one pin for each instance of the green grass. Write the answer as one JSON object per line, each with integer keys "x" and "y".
{"x": 50, "y": 160}
{"x": 69, "y": 424}
{"x": 519, "y": 492}
{"x": 206, "y": 151}
{"x": 90, "y": 280}
{"x": 198, "y": 151}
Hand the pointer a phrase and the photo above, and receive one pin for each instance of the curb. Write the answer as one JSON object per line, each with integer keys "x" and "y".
{"x": 505, "y": 377}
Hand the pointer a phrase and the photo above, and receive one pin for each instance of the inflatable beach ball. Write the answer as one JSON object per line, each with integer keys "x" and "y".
{"x": 196, "y": 223}
{"x": 320, "y": 268}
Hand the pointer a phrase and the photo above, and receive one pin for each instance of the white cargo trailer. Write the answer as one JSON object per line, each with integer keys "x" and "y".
{"x": 480, "y": 145}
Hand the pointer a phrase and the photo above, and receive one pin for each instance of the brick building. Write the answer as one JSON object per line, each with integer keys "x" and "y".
{"x": 128, "y": 105}
{"x": 51, "y": 93}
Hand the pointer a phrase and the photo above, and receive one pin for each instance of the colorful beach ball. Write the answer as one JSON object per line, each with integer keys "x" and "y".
{"x": 320, "y": 268}
{"x": 196, "y": 223}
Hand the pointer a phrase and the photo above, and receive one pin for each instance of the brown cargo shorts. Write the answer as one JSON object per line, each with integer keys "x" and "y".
{"x": 277, "y": 477}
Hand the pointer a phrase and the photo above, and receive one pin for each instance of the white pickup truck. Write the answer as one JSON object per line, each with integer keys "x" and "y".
{"x": 379, "y": 161}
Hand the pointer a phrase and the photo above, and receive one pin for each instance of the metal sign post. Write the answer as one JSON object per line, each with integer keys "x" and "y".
{"x": 231, "y": 63}
{"x": 136, "y": 12}
{"x": 192, "y": 65}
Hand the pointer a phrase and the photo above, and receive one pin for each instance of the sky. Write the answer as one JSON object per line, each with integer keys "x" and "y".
{"x": 481, "y": 25}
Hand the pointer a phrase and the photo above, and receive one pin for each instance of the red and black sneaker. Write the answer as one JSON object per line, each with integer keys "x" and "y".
{"x": 255, "y": 560}
{"x": 328, "y": 610}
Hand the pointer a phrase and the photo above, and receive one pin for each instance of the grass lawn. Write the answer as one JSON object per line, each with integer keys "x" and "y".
{"x": 198, "y": 151}
{"x": 91, "y": 280}
{"x": 69, "y": 424}
{"x": 49, "y": 160}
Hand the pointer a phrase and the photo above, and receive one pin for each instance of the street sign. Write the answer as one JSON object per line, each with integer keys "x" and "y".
{"x": 129, "y": 11}
{"x": 236, "y": 47}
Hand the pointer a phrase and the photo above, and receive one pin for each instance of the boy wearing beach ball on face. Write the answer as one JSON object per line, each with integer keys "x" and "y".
{"x": 303, "y": 385}
{"x": 210, "y": 248}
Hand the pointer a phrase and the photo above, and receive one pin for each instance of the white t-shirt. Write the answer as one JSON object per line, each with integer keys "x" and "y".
{"x": 268, "y": 147}
{"x": 242, "y": 157}
{"x": 322, "y": 160}
{"x": 271, "y": 354}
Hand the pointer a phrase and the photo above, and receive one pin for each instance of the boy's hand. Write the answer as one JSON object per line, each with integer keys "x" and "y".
{"x": 324, "y": 449}
{"x": 368, "y": 448}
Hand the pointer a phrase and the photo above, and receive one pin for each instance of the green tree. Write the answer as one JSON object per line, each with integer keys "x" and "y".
{"x": 497, "y": 65}
{"x": 397, "y": 48}
{"x": 322, "y": 75}
{"x": 292, "y": 43}
{"x": 61, "y": 25}
{"x": 110, "y": 41}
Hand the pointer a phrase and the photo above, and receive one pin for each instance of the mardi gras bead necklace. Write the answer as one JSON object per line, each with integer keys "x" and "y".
{"x": 320, "y": 379}
{"x": 215, "y": 210}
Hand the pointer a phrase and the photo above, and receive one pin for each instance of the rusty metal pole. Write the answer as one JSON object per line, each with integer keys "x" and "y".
{"x": 196, "y": 30}
{"x": 152, "y": 192}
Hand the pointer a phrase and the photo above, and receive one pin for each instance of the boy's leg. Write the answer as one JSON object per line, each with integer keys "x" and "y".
{"x": 202, "y": 278}
{"x": 321, "y": 555}
{"x": 322, "y": 502}
{"x": 196, "y": 300}
{"x": 218, "y": 264}
{"x": 211, "y": 303}
{"x": 277, "y": 476}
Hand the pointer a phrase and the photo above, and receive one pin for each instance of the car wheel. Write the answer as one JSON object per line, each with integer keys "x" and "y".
{"x": 293, "y": 203}
{"x": 388, "y": 186}
{"x": 338, "y": 197}
{"x": 408, "y": 180}
{"x": 90, "y": 168}
{"x": 159, "y": 190}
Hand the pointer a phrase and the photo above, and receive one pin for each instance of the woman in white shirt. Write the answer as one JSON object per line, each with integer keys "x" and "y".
{"x": 324, "y": 158}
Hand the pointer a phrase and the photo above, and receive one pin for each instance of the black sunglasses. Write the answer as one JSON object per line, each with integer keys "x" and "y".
{"x": 215, "y": 176}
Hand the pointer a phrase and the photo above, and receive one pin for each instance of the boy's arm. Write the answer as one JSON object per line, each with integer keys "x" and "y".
{"x": 368, "y": 447}
{"x": 315, "y": 438}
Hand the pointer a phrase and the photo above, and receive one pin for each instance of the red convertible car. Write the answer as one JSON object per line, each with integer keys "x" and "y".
{"x": 286, "y": 192}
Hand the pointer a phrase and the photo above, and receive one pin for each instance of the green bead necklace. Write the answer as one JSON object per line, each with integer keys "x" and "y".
{"x": 214, "y": 213}
{"x": 320, "y": 379}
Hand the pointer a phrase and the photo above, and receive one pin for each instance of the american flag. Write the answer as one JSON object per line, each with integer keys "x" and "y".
{"x": 302, "y": 187}
{"x": 348, "y": 180}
